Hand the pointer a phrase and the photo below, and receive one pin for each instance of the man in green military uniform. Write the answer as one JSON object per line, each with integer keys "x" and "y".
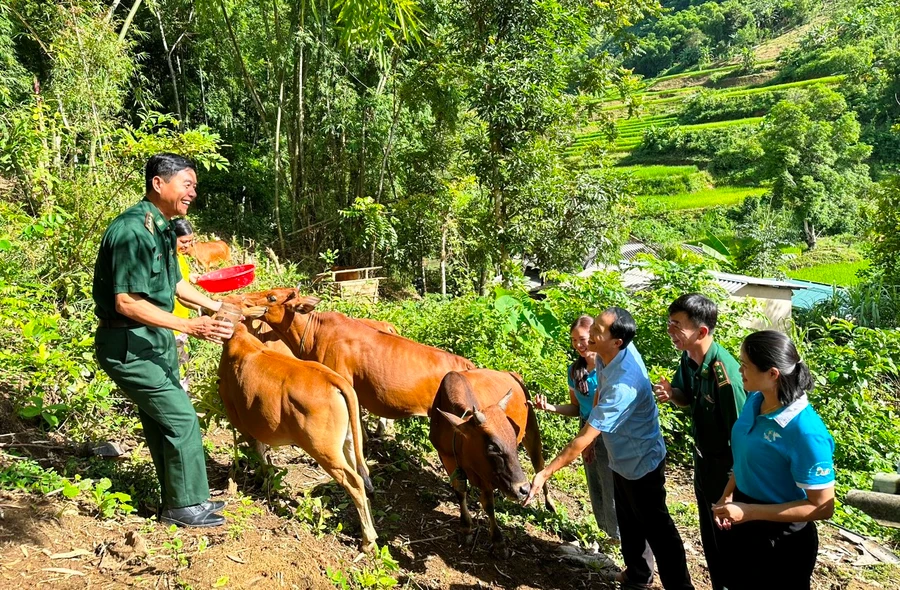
{"x": 136, "y": 280}
{"x": 708, "y": 380}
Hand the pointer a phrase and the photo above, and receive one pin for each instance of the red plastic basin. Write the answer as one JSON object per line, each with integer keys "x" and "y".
{"x": 228, "y": 279}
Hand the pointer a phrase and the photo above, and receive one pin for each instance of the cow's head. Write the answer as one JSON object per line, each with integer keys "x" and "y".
{"x": 275, "y": 306}
{"x": 486, "y": 447}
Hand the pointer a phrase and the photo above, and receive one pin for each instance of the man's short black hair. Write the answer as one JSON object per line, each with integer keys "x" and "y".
{"x": 701, "y": 310}
{"x": 165, "y": 166}
{"x": 623, "y": 326}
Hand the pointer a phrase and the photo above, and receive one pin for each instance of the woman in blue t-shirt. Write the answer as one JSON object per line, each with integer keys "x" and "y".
{"x": 783, "y": 478}
{"x": 582, "y": 393}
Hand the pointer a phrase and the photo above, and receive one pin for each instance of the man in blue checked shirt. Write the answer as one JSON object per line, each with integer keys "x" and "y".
{"x": 627, "y": 416}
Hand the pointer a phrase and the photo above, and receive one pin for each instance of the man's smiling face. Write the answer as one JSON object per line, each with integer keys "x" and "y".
{"x": 176, "y": 194}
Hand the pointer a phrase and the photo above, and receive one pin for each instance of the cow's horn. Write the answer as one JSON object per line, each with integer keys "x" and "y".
{"x": 505, "y": 401}
{"x": 479, "y": 417}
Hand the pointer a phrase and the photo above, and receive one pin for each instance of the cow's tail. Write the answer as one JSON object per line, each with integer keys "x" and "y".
{"x": 356, "y": 432}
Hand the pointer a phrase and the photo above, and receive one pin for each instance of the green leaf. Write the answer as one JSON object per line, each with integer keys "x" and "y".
{"x": 220, "y": 582}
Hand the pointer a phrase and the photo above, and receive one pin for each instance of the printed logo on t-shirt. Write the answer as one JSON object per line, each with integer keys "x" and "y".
{"x": 823, "y": 469}
{"x": 771, "y": 436}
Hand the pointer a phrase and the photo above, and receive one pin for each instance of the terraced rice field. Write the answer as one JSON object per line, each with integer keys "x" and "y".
{"x": 730, "y": 92}
{"x": 631, "y": 132}
{"x": 652, "y": 172}
{"x": 716, "y": 197}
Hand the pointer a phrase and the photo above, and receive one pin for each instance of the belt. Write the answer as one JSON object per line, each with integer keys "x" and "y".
{"x": 119, "y": 323}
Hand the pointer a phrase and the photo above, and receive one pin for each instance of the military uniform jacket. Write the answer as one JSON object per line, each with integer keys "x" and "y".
{"x": 716, "y": 396}
{"x": 137, "y": 255}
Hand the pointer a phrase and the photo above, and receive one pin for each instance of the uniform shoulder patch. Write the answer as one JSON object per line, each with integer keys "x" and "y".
{"x": 721, "y": 374}
{"x": 148, "y": 222}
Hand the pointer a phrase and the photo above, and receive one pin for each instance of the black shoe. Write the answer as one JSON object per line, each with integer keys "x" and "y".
{"x": 213, "y": 505}
{"x": 192, "y": 516}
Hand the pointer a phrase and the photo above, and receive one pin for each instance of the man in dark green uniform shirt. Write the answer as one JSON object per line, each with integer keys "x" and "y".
{"x": 136, "y": 280}
{"x": 708, "y": 380}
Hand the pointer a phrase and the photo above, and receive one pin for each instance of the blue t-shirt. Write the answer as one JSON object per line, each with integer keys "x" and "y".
{"x": 627, "y": 416}
{"x": 780, "y": 455}
{"x": 585, "y": 400}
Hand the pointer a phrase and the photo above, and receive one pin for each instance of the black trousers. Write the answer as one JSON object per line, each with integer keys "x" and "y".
{"x": 764, "y": 554}
{"x": 709, "y": 483}
{"x": 644, "y": 520}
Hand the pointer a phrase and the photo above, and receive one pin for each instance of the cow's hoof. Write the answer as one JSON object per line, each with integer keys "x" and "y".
{"x": 466, "y": 538}
{"x": 500, "y": 551}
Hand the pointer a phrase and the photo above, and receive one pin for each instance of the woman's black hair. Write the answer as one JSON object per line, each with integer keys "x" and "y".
{"x": 770, "y": 348}
{"x": 579, "y": 370}
{"x": 182, "y": 227}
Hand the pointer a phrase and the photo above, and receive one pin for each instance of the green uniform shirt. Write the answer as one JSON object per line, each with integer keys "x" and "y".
{"x": 716, "y": 395}
{"x": 137, "y": 255}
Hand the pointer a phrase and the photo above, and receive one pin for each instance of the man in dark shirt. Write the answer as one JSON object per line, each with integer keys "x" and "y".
{"x": 708, "y": 380}
{"x": 136, "y": 280}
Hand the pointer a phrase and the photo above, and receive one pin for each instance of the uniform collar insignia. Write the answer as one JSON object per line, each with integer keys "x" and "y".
{"x": 148, "y": 222}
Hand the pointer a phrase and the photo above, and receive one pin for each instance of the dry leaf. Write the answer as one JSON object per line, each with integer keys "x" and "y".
{"x": 70, "y": 554}
{"x": 62, "y": 570}
{"x": 235, "y": 559}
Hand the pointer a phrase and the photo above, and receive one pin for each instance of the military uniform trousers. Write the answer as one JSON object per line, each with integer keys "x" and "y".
{"x": 143, "y": 362}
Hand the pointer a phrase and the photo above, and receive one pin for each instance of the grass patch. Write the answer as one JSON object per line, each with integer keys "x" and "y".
{"x": 704, "y": 199}
{"x": 842, "y": 274}
{"x": 646, "y": 172}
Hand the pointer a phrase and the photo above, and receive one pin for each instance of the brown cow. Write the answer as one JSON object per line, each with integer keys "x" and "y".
{"x": 209, "y": 253}
{"x": 478, "y": 419}
{"x": 394, "y": 377}
{"x": 279, "y": 400}
{"x": 271, "y": 339}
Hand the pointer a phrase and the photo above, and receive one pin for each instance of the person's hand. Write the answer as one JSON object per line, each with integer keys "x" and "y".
{"x": 210, "y": 329}
{"x": 663, "y": 390}
{"x": 540, "y": 402}
{"x": 588, "y": 453}
{"x": 537, "y": 484}
{"x": 192, "y": 278}
{"x": 730, "y": 513}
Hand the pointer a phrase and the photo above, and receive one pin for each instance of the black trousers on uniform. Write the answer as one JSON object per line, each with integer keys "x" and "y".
{"x": 764, "y": 554}
{"x": 644, "y": 520}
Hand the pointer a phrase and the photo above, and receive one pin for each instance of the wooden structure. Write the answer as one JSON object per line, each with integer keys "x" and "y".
{"x": 351, "y": 283}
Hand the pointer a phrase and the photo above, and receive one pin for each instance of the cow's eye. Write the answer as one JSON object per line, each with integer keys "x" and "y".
{"x": 271, "y": 298}
{"x": 492, "y": 449}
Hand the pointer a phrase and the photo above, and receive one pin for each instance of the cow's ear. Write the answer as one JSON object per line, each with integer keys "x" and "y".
{"x": 456, "y": 421}
{"x": 302, "y": 304}
{"x": 505, "y": 401}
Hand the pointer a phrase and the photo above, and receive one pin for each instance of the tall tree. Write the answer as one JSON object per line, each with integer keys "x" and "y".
{"x": 813, "y": 155}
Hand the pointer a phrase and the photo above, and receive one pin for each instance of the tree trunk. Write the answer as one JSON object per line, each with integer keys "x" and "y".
{"x": 247, "y": 80}
{"x": 809, "y": 231}
{"x": 162, "y": 34}
{"x": 444, "y": 260}
{"x": 128, "y": 19}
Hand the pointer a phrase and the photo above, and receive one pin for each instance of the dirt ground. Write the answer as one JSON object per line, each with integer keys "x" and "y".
{"x": 55, "y": 542}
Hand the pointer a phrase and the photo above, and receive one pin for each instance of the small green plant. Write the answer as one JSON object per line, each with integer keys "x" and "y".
{"x": 108, "y": 503}
{"x": 34, "y": 406}
{"x": 241, "y": 516}
{"x": 313, "y": 511}
{"x": 175, "y": 547}
{"x": 378, "y": 574}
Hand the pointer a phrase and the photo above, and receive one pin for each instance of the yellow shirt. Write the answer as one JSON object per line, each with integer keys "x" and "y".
{"x": 180, "y": 310}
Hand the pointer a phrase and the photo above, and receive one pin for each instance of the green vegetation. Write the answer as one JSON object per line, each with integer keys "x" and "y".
{"x": 842, "y": 274}
{"x": 717, "y": 197}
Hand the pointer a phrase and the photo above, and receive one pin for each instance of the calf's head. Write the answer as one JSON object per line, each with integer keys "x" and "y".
{"x": 485, "y": 446}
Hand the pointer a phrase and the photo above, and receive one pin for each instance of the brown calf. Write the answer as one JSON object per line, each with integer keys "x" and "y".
{"x": 394, "y": 377}
{"x": 208, "y": 254}
{"x": 478, "y": 419}
{"x": 279, "y": 400}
